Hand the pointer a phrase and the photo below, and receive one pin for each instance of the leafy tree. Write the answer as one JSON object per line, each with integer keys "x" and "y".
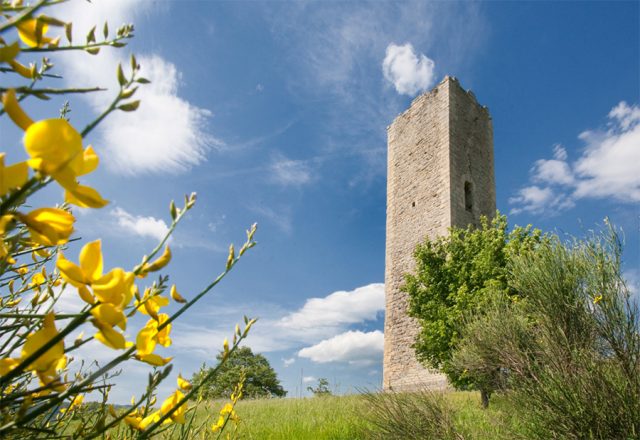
{"x": 260, "y": 378}
{"x": 456, "y": 277}
{"x": 322, "y": 389}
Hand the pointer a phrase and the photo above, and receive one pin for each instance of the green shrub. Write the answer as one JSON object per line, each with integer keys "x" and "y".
{"x": 404, "y": 416}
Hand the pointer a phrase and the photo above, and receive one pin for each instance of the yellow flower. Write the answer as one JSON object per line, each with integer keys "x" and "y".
{"x": 12, "y": 176}
{"x": 48, "y": 226}
{"x": 163, "y": 335}
{"x": 53, "y": 144}
{"x": 22, "y": 70}
{"x": 32, "y": 32}
{"x": 15, "y": 112}
{"x": 151, "y": 418}
{"x": 597, "y": 299}
{"x": 37, "y": 280}
{"x": 110, "y": 337}
{"x": 176, "y": 296}
{"x": 75, "y": 402}
{"x": 183, "y": 383}
{"x": 13, "y": 303}
{"x": 147, "y": 339}
{"x": 150, "y": 305}
{"x": 55, "y": 149}
{"x": 84, "y": 197}
{"x": 37, "y": 340}
{"x": 154, "y": 359}
{"x": 161, "y": 262}
{"x": 133, "y": 420}
{"x": 219, "y": 424}
{"x": 171, "y": 402}
{"x": 8, "y": 53}
{"x": 90, "y": 269}
{"x": 227, "y": 409}
{"x": 115, "y": 287}
{"x": 8, "y": 364}
{"x": 110, "y": 314}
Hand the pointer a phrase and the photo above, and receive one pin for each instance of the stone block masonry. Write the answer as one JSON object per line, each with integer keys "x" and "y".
{"x": 440, "y": 173}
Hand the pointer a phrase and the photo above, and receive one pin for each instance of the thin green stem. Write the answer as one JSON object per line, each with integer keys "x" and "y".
{"x": 51, "y": 91}
{"x": 111, "y": 43}
{"x": 38, "y": 315}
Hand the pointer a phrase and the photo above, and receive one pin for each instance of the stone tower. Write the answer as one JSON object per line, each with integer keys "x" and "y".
{"x": 439, "y": 174}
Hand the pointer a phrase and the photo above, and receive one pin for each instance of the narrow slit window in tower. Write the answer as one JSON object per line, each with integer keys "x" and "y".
{"x": 468, "y": 196}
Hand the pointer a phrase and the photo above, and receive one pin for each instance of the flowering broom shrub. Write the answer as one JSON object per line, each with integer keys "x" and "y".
{"x": 42, "y": 388}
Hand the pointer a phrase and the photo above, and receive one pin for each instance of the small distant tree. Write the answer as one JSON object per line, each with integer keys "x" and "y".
{"x": 322, "y": 389}
{"x": 456, "y": 277}
{"x": 260, "y": 378}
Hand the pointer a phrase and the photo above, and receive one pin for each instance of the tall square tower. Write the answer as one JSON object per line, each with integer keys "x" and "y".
{"x": 439, "y": 174}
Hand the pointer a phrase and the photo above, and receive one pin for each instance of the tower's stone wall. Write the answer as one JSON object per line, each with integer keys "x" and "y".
{"x": 439, "y": 174}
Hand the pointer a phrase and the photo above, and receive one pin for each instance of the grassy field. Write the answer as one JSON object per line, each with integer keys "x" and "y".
{"x": 347, "y": 418}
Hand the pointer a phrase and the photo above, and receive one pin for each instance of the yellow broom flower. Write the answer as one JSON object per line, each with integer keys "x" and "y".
{"x": 48, "y": 226}
{"x": 32, "y": 32}
{"x": 37, "y": 340}
{"x": 12, "y": 176}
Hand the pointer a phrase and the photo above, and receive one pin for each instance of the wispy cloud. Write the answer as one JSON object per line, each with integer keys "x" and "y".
{"x": 333, "y": 52}
{"x": 606, "y": 169}
{"x": 166, "y": 133}
{"x": 409, "y": 72}
{"x": 280, "y": 216}
{"x": 289, "y": 172}
{"x": 139, "y": 225}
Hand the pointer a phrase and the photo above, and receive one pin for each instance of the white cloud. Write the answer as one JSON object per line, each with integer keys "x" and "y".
{"x": 288, "y": 362}
{"x": 353, "y": 347}
{"x": 538, "y": 200}
{"x": 408, "y": 72}
{"x": 290, "y": 172}
{"x": 309, "y": 379}
{"x": 278, "y": 330}
{"x": 606, "y": 169}
{"x": 166, "y": 133}
{"x": 625, "y": 115}
{"x": 322, "y": 316}
{"x": 139, "y": 225}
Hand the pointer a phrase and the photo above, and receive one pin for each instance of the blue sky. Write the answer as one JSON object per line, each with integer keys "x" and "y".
{"x": 276, "y": 113}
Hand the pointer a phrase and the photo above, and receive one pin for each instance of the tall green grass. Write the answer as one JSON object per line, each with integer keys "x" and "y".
{"x": 353, "y": 417}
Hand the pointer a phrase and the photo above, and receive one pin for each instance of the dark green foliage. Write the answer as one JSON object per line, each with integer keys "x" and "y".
{"x": 420, "y": 416}
{"x": 322, "y": 389}
{"x": 568, "y": 350}
{"x": 580, "y": 375}
{"x": 261, "y": 379}
{"x": 456, "y": 277}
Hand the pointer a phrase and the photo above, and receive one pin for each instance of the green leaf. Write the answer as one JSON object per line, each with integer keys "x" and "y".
{"x": 122, "y": 80}
{"x": 143, "y": 81}
{"x": 129, "y": 106}
{"x": 91, "y": 36}
{"x": 69, "y": 32}
{"x": 128, "y": 93}
{"x": 105, "y": 30}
